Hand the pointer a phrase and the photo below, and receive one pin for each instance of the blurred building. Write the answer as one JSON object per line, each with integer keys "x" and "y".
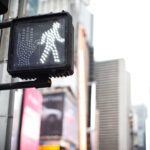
{"x": 148, "y": 133}
{"x": 86, "y": 78}
{"x": 81, "y": 16}
{"x": 59, "y": 124}
{"x": 141, "y": 131}
{"x": 133, "y": 119}
{"x": 113, "y": 103}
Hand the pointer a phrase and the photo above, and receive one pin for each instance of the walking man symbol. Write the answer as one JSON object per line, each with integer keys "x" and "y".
{"x": 48, "y": 38}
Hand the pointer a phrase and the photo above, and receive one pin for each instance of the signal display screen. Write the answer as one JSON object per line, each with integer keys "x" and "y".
{"x": 39, "y": 44}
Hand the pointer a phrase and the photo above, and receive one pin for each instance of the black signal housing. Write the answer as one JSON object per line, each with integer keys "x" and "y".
{"x": 41, "y": 46}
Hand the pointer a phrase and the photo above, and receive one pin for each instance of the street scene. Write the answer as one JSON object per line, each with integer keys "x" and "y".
{"x": 74, "y": 75}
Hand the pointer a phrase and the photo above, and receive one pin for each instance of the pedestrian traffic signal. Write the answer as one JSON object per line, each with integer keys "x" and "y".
{"x": 41, "y": 46}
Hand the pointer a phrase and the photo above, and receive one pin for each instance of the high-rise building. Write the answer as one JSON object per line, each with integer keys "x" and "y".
{"x": 141, "y": 123}
{"x": 113, "y": 103}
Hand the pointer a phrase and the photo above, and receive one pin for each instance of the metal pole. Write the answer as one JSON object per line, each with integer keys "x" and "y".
{"x": 28, "y": 84}
{"x": 5, "y": 24}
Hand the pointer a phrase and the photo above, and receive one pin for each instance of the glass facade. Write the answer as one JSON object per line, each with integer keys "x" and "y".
{"x": 32, "y": 7}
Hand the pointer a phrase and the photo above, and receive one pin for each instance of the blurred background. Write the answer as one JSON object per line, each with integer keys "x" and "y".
{"x": 105, "y": 104}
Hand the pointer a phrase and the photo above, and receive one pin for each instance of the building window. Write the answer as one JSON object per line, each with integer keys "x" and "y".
{"x": 32, "y": 7}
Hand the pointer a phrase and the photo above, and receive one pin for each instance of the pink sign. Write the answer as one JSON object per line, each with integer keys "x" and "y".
{"x": 31, "y": 119}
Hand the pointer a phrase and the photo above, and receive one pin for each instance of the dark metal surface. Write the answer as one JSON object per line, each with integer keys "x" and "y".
{"x": 3, "y": 6}
{"x": 29, "y": 84}
{"x": 5, "y": 24}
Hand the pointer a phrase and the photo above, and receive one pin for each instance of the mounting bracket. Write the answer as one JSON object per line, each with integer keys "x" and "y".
{"x": 39, "y": 83}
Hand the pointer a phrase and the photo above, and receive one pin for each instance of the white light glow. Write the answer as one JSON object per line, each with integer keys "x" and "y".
{"x": 48, "y": 38}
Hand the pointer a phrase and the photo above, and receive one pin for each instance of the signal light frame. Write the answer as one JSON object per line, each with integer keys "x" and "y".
{"x": 46, "y": 70}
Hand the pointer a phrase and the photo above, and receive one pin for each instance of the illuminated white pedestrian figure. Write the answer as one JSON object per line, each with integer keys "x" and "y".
{"x": 48, "y": 38}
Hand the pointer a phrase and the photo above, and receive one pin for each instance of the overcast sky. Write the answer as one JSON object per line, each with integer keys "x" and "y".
{"x": 122, "y": 30}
